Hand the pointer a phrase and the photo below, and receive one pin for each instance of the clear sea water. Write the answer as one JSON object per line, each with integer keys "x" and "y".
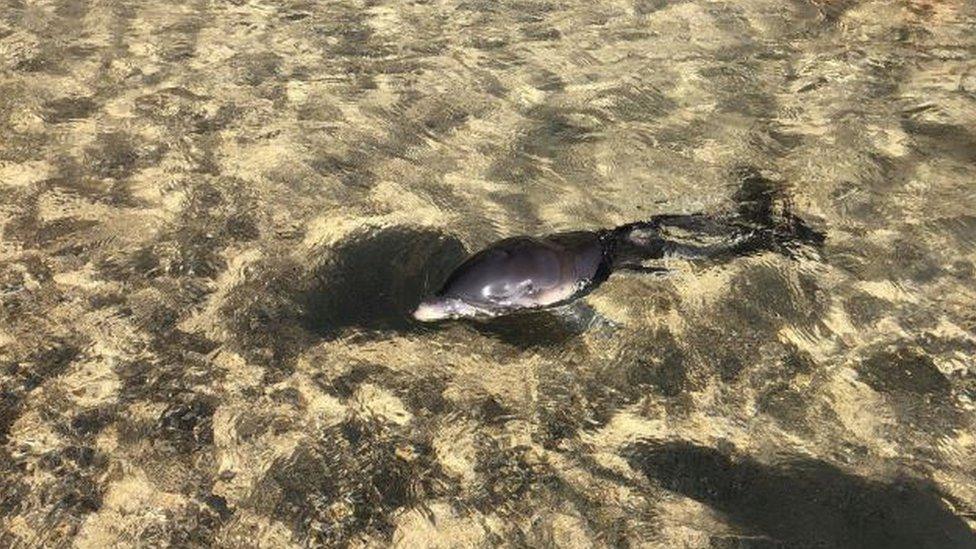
{"x": 214, "y": 216}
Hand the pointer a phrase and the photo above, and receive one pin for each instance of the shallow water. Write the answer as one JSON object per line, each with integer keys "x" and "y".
{"x": 216, "y": 214}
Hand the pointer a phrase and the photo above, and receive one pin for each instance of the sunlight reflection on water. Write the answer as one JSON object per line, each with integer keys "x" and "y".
{"x": 216, "y": 215}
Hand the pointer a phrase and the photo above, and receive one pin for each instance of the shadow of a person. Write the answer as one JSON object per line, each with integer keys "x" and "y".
{"x": 805, "y": 502}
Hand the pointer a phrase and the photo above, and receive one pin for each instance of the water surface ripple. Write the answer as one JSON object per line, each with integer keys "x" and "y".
{"x": 215, "y": 213}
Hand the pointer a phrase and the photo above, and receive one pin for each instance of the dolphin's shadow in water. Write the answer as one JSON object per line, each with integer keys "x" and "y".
{"x": 374, "y": 279}
{"x": 533, "y": 328}
{"x": 805, "y": 502}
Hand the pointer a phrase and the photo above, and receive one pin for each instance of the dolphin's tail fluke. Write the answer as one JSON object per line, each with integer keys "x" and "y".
{"x": 762, "y": 222}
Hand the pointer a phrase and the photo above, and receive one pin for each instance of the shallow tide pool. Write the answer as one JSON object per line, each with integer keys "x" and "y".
{"x": 216, "y": 216}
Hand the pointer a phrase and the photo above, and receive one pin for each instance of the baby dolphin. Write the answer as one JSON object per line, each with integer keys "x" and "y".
{"x": 523, "y": 272}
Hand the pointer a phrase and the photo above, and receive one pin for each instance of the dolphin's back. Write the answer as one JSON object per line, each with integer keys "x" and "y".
{"x": 505, "y": 270}
{"x": 527, "y": 271}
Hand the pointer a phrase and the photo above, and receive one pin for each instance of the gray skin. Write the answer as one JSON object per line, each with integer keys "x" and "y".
{"x": 521, "y": 273}
{"x": 525, "y": 272}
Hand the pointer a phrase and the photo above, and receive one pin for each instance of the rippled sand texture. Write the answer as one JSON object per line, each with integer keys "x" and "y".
{"x": 215, "y": 214}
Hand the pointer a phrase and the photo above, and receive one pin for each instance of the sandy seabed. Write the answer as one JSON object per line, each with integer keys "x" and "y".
{"x": 214, "y": 216}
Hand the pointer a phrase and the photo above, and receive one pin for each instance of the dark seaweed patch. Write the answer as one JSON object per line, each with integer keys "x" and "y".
{"x": 72, "y": 11}
{"x": 352, "y": 168}
{"x": 805, "y": 502}
{"x": 60, "y": 229}
{"x": 763, "y": 297}
{"x": 919, "y": 394}
{"x": 570, "y": 399}
{"x": 551, "y": 133}
{"x": 425, "y": 396}
{"x": 953, "y": 141}
{"x": 729, "y": 366}
{"x": 67, "y": 109}
{"x": 786, "y": 405}
{"x": 914, "y": 260}
{"x": 669, "y": 377}
{"x": 725, "y": 351}
{"x": 70, "y": 486}
{"x": 177, "y": 367}
{"x": 639, "y": 102}
{"x": 77, "y": 493}
{"x": 559, "y": 412}
{"x": 198, "y": 524}
{"x": 345, "y": 384}
{"x": 797, "y": 361}
{"x": 91, "y": 422}
{"x": 865, "y": 308}
{"x": 422, "y": 395}
{"x": 489, "y": 411}
{"x": 253, "y": 69}
{"x": 554, "y": 128}
{"x": 506, "y": 477}
{"x": 903, "y": 370}
{"x": 215, "y": 214}
{"x": 645, "y": 7}
{"x": 187, "y": 426}
{"x": 178, "y": 41}
{"x": 113, "y": 155}
{"x": 659, "y": 367}
{"x": 350, "y": 482}
{"x": 541, "y": 33}
{"x": 738, "y": 84}
{"x": 22, "y": 376}
{"x": 833, "y": 11}
{"x": 546, "y": 80}
{"x": 265, "y": 312}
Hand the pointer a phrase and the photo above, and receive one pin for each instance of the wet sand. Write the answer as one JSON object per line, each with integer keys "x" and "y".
{"x": 215, "y": 214}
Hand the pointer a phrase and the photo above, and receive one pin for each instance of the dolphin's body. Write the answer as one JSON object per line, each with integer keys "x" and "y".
{"x": 524, "y": 272}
